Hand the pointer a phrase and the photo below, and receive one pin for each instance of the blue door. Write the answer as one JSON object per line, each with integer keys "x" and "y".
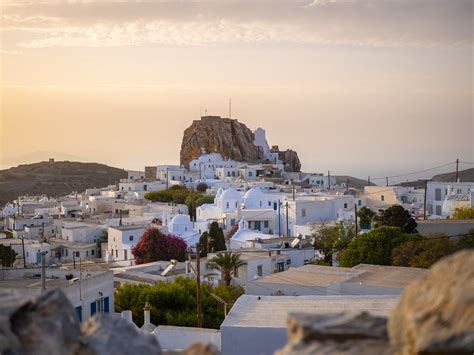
{"x": 93, "y": 308}
{"x": 79, "y": 312}
{"x": 257, "y": 225}
{"x": 106, "y": 305}
{"x": 38, "y": 258}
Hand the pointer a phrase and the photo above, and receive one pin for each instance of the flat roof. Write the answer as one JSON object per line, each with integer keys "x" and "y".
{"x": 311, "y": 275}
{"x": 130, "y": 227}
{"x": 324, "y": 276}
{"x": 272, "y": 311}
{"x": 391, "y": 276}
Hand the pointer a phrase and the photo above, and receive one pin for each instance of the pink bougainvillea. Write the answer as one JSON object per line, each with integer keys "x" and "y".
{"x": 157, "y": 246}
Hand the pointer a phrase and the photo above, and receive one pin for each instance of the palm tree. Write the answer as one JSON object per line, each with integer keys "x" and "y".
{"x": 227, "y": 263}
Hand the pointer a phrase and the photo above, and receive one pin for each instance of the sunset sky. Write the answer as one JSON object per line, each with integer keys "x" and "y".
{"x": 356, "y": 87}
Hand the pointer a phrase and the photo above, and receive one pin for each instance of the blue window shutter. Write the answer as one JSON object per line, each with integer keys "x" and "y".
{"x": 93, "y": 308}
{"x": 79, "y": 312}
{"x": 106, "y": 305}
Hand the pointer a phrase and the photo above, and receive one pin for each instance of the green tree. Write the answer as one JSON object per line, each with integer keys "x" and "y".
{"x": 332, "y": 239}
{"x": 7, "y": 256}
{"x": 202, "y": 187}
{"x": 175, "y": 194}
{"x": 375, "y": 247}
{"x": 396, "y": 216}
{"x": 421, "y": 253}
{"x": 174, "y": 303}
{"x": 203, "y": 239}
{"x": 196, "y": 199}
{"x": 226, "y": 263}
{"x": 466, "y": 241}
{"x": 365, "y": 217}
{"x": 216, "y": 240}
{"x": 464, "y": 213}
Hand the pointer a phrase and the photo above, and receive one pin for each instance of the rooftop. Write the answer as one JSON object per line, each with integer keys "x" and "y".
{"x": 272, "y": 311}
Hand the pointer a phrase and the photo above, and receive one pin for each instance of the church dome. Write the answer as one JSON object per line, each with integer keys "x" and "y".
{"x": 180, "y": 219}
{"x": 231, "y": 194}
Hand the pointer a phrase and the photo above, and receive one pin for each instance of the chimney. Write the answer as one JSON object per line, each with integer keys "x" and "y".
{"x": 127, "y": 315}
{"x": 147, "y": 327}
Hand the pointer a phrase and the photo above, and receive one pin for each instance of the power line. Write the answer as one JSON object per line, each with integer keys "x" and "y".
{"x": 412, "y": 173}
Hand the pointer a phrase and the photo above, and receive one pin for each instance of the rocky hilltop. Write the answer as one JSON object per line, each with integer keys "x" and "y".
{"x": 232, "y": 139}
{"x": 55, "y": 178}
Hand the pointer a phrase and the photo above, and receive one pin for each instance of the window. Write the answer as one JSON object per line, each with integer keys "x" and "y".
{"x": 232, "y": 222}
{"x": 382, "y": 198}
{"x": 269, "y": 203}
{"x": 303, "y": 212}
{"x": 288, "y": 262}
{"x": 459, "y": 191}
{"x": 437, "y": 194}
{"x": 77, "y": 254}
{"x": 227, "y": 204}
{"x": 265, "y": 224}
{"x": 359, "y": 202}
{"x": 130, "y": 238}
{"x": 260, "y": 203}
{"x": 438, "y": 210}
{"x": 250, "y": 173}
{"x": 345, "y": 205}
{"x": 92, "y": 252}
{"x": 259, "y": 270}
{"x": 125, "y": 256}
{"x": 281, "y": 266}
{"x": 116, "y": 253}
{"x": 87, "y": 253}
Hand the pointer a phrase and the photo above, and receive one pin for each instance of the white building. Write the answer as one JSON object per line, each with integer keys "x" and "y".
{"x": 90, "y": 292}
{"x": 257, "y": 324}
{"x": 121, "y": 241}
{"x": 438, "y": 192}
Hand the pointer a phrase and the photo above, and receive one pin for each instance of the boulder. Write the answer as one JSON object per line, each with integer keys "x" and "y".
{"x": 230, "y": 138}
{"x": 47, "y": 325}
{"x": 342, "y": 333}
{"x": 105, "y": 334}
{"x": 435, "y": 315}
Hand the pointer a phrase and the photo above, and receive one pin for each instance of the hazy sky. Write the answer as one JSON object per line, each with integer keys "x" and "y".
{"x": 358, "y": 87}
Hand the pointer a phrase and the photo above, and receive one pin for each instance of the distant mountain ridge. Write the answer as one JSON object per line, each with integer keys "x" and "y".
{"x": 464, "y": 175}
{"x": 55, "y": 179}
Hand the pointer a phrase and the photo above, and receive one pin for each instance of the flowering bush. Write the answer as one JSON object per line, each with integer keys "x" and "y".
{"x": 157, "y": 246}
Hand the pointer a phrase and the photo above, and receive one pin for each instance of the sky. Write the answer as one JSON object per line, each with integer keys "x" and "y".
{"x": 369, "y": 87}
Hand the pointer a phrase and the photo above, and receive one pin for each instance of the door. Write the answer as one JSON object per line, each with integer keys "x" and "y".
{"x": 93, "y": 308}
{"x": 106, "y": 305}
{"x": 79, "y": 312}
{"x": 258, "y": 225}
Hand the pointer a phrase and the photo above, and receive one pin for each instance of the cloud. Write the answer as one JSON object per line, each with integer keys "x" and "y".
{"x": 79, "y": 23}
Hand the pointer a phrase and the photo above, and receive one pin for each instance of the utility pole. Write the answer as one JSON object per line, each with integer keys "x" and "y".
{"x": 329, "y": 180}
{"x": 167, "y": 178}
{"x": 43, "y": 272}
{"x": 23, "y": 249}
{"x": 287, "y": 229}
{"x": 457, "y": 170}
{"x": 198, "y": 287}
{"x": 120, "y": 220}
{"x": 368, "y": 181}
{"x": 74, "y": 259}
{"x": 293, "y": 188}
{"x": 424, "y": 202}
{"x": 386, "y": 180}
{"x": 356, "y": 225}
{"x": 279, "y": 219}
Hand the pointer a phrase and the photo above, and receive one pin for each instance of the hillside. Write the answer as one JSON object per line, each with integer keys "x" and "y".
{"x": 464, "y": 175}
{"x": 55, "y": 179}
{"x": 353, "y": 182}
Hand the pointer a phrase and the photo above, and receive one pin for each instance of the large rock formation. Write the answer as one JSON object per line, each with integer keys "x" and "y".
{"x": 232, "y": 139}
{"x": 434, "y": 316}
